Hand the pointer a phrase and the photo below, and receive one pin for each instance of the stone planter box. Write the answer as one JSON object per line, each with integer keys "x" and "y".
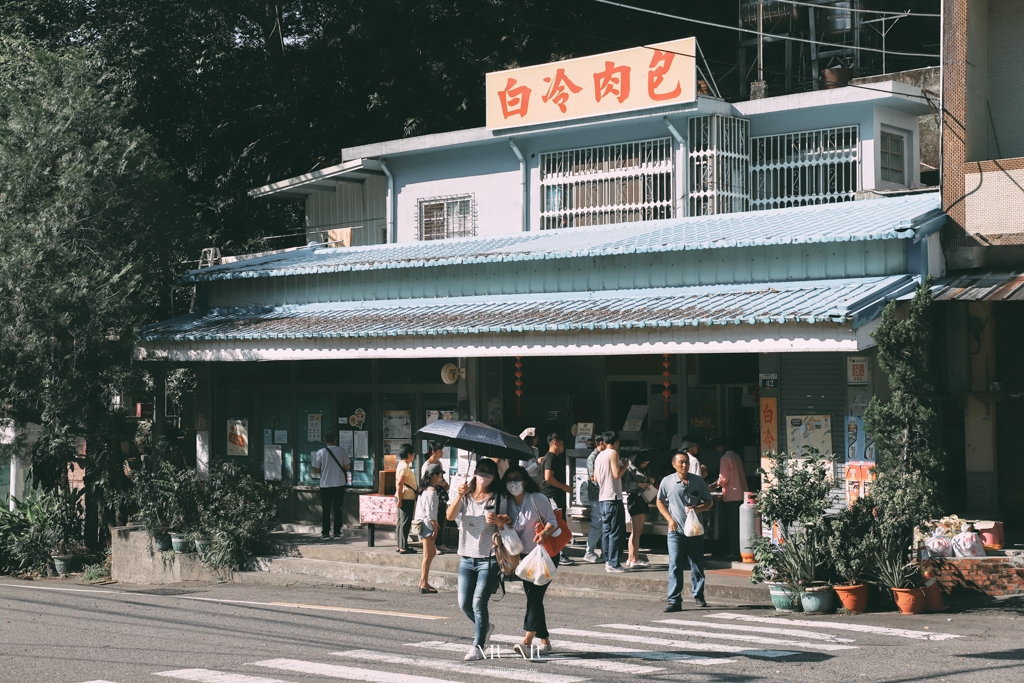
{"x": 135, "y": 559}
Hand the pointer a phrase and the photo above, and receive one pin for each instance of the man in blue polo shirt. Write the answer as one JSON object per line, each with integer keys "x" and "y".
{"x": 678, "y": 494}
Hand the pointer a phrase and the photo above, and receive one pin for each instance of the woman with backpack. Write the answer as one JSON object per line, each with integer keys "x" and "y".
{"x": 534, "y": 520}
{"x": 425, "y": 523}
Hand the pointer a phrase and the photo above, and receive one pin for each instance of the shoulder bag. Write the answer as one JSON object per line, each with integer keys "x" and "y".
{"x": 563, "y": 536}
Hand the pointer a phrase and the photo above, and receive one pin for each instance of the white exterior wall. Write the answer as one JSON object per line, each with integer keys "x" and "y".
{"x": 489, "y": 173}
{"x": 487, "y": 169}
{"x": 894, "y": 122}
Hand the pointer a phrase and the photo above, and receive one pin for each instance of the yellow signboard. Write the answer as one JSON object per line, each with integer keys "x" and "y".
{"x": 626, "y": 80}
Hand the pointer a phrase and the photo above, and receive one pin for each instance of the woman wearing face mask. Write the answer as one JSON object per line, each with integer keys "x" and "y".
{"x": 534, "y": 520}
{"x": 473, "y": 509}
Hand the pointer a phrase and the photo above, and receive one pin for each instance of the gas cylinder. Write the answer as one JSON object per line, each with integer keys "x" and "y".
{"x": 750, "y": 526}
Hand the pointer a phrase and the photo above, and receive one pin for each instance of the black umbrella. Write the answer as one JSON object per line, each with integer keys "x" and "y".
{"x": 479, "y": 438}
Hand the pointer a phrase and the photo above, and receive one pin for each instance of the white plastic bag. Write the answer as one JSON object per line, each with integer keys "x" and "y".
{"x": 939, "y": 546}
{"x": 968, "y": 544}
{"x": 692, "y": 527}
{"x": 537, "y": 567}
{"x": 511, "y": 540}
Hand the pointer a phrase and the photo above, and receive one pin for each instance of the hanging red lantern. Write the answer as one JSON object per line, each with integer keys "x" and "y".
{"x": 665, "y": 382}
{"x": 519, "y": 385}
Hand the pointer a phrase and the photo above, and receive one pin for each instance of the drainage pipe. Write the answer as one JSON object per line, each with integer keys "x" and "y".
{"x": 522, "y": 182}
{"x": 392, "y": 235}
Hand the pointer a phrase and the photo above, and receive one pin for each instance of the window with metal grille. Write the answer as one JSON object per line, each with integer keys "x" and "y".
{"x": 810, "y": 167}
{"x": 608, "y": 184}
{"x": 719, "y": 164}
{"x": 891, "y": 153}
{"x": 444, "y": 217}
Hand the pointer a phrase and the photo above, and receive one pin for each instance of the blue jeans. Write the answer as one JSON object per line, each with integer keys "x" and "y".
{"x": 682, "y": 547}
{"x": 596, "y": 528}
{"x": 478, "y": 577}
{"x": 613, "y": 518}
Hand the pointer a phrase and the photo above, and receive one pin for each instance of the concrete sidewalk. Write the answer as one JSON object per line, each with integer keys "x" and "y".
{"x": 304, "y": 558}
{"x": 351, "y": 561}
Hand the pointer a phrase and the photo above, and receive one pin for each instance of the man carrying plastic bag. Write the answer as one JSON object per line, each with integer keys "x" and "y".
{"x": 681, "y": 499}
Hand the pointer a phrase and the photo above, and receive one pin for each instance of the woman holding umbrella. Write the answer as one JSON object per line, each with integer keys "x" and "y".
{"x": 476, "y": 512}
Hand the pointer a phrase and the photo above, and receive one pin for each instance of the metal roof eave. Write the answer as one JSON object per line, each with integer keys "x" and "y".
{"x": 322, "y": 180}
{"x": 868, "y": 220}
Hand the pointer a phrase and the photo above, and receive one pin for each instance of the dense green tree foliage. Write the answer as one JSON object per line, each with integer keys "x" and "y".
{"x": 905, "y": 425}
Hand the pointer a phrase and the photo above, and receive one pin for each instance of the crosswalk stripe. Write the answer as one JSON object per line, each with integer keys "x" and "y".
{"x": 680, "y": 644}
{"x": 328, "y": 608}
{"x": 208, "y": 676}
{"x": 828, "y": 637}
{"x": 859, "y": 628}
{"x": 760, "y": 640}
{"x": 348, "y": 673}
{"x": 98, "y": 681}
{"x": 448, "y": 665}
{"x": 603, "y": 665}
{"x": 619, "y": 651}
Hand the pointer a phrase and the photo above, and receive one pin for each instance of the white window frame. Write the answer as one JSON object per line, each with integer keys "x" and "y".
{"x": 607, "y": 184}
{"x": 904, "y": 138}
{"x": 455, "y": 224}
{"x": 806, "y": 167}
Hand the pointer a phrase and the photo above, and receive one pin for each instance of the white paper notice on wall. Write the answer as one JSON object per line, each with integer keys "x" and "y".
{"x": 345, "y": 441}
{"x": 635, "y": 418}
{"x": 281, "y": 436}
{"x": 272, "y": 462}
{"x": 314, "y": 423}
{"x": 358, "y": 465}
{"x": 361, "y": 445}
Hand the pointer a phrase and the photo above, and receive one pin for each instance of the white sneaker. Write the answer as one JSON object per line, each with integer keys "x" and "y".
{"x": 640, "y": 563}
{"x": 473, "y": 655}
{"x": 591, "y": 558}
{"x": 615, "y": 570}
{"x": 628, "y": 565}
{"x": 545, "y": 649}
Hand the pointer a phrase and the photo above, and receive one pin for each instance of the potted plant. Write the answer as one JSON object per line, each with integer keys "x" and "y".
{"x": 852, "y": 543}
{"x": 166, "y": 502}
{"x": 794, "y": 503}
{"x": 64, "y": 532}
{"x": 894, "y": 572}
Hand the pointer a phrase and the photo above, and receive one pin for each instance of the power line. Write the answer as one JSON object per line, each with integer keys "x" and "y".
{"x": 747, "y": 30}
{"x": 908, "y": 13}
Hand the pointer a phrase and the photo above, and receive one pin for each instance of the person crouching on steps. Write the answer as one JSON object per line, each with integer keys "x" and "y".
{"x": 426, "y": 514}
{"x": 534, "y": 520}
{"x": 475, "y": 510}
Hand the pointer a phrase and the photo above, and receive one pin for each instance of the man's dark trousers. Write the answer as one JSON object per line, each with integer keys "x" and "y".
{"x": 331, "y": 498}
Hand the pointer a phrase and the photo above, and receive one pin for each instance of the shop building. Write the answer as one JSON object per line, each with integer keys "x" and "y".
{"x": 721, "y": 265}
{"x": 981, "y": 302}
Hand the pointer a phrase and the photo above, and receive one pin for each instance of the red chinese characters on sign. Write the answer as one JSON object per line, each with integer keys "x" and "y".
{"x": 660, "y": 65}
{"x": 614, "y": 80}
{"x": 514, "y": 100}
{"x": 559, "y": 89}
{"x": 769, "y": 425}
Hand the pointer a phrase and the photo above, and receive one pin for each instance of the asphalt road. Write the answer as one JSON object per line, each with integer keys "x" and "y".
{"x": 67, "y": 632}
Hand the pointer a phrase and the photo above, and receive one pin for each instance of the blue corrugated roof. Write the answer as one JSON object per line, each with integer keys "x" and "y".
{"x": 876, "y": 219}
{"x": 848, "y": 301}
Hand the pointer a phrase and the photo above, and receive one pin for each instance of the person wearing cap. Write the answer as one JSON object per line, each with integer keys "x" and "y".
{"x": 436, "y": 451}
{"x": 692, "y": 448}
{"x": 426, "y": 513}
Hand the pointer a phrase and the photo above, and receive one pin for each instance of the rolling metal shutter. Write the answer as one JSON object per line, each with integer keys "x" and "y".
{"x": 813, "y": 384}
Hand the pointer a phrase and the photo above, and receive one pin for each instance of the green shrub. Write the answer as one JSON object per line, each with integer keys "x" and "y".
{"x": 853, "y": 540}
{"x": 42, "y": 524}
{"x": 165, "y": 499}
{"x": 237, "y": 512}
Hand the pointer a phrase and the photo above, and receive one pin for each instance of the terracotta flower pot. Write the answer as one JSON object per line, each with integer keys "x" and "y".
{"x": 854, "y": 598}
{"x": 933, "y": 597}
{"x": 909, "y": 600}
